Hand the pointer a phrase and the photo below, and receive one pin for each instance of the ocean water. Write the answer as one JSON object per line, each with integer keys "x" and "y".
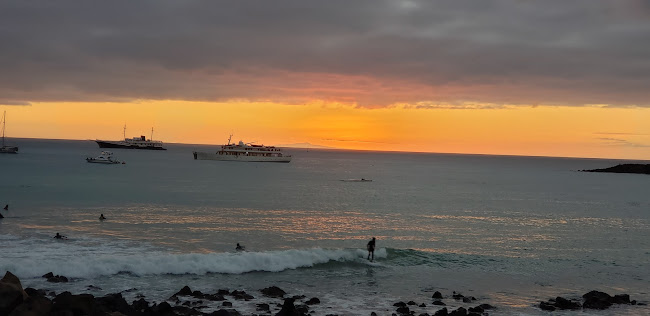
{"x": 510, "y": 231}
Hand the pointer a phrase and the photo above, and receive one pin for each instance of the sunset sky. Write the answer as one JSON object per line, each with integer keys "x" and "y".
{"x": 515, "y": 77}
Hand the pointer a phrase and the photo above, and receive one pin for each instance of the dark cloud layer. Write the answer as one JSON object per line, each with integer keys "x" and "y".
{"x": 373, "y": 53}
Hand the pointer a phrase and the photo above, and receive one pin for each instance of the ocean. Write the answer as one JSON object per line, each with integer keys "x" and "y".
{"x": 509, "y": 231}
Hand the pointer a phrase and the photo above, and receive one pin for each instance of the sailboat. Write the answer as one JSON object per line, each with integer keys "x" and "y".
{"x": 6, "y": 149}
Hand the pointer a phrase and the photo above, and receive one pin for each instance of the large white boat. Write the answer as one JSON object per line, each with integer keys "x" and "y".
{"x": 132, "y": 143}
{"x": 6, "y": 149}
{"x": 105, "y": 158}
{"x": 244, "y": 152}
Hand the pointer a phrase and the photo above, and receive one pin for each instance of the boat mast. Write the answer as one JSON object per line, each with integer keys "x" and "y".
{"x": 3, "y": 127}
{"x": 228, "y": 139}
{"x": 124, "y": 133}
{"x": 151, "y": 134}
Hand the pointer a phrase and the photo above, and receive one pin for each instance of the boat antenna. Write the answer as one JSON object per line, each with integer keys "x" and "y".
{"x": 151, "y": 134}
{"x": 124, "y": 133}
{"x": 228, "y": 138}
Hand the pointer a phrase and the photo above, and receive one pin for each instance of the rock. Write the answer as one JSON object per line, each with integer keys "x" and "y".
{"x": 223, "y": 312}
{"x": 622, "y": 299}
{"x": 115, "y": 303}
{"x": 625, "y": 168}
{"x": 226, "y": 304}
{"x": 477, "y": 309}
{"x": 467, "y": 299}
{"x": 423, "y": 305}
{"x": 48, "y": 275}
{"x": 563, "y": 303}
{"x": 486, "y": 306}
{"x": 33, "y": 306}
{"x": 263, "y": 307}
{"x": 223, "y": 292}
{"x": 439, "y": 303}
{"x": 57, "y": 279}
{"x": 140, "y": 305}
{"x": 459, "y": 312}
{"x": 597, "y": 300}
{"x": 424, "y": 314}
{"x": 457, "y": 296}
{"x": 35, "y": 293}
{"x": 241, "y": 295}
{"x": 442, "y": 312}
{"x": 411, "y": 303}
{"x": 373, "y": 314}
{"x": 437, "y": 294}
{"x": 273, "y": 291}
{"x": 82, "y": 304}
{"x": 313, "y": 301}
{"x": 11, "y": 293}
{"x": 403, "y": 310}
{"x": 288, "y": 309}
{"x": 547, "y": 306}
{"x": 400, "y": 304}
{"x": 302, "y": 309}
{"x": 185, "y": 291}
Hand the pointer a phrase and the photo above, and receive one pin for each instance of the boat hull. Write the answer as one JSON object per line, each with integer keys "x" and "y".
{"x": 243, "y": 158}
{"x": 109, "y": 144}
{"x": 8, "y": 150}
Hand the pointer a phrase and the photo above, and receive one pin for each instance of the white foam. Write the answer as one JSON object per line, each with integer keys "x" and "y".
{"x": 77, "y": 259}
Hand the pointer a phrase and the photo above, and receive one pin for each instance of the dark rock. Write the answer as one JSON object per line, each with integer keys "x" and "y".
{"x": 625, "y": 168}
{"x": 33, "y": 306}
{"x": 547, "y": 306}
{"x": 288, "y": 309}
{"x": 48, "y": 275}
{"x": 162, "y": 309}
{"x": 273, "y": 291}
{"x": 298, "y": 297}
{"x": 423, "y": 305}
{"x": 459, "y": 312}
{"x": 241, "y": 295}
{"x": 82, "y": 304}
{"x": 442, "y": 312}
{"x": 439, "y": 303}
{"x": 263, "y": 307}
{"x": 35, "y": 293}
{"x": 186, "y": 311}
{"x": 226, "y": 304}
{"x": 597, "y": 295}
{"x": 373, "y": 314}
{"x": 93, "y": 288}
{"x": 411, "y": 303}
{"x": 467, "y": 299}
{"x": 221, "y": 312}
{"x": 597, "y": 300}
{"x": 140, "y": 305}
{"x": 313, "y": 301}
{"x": 185, "y": 291}
{"x": 57, "y": 279}
{"x": 477, "y": 309}
{"x": 563, "y": 303}
{"x": 486, "y": 306}
{"x": 11, "y": 293}
{"x": 115, "y": 303}
{"x": 457, "y": 296}
{"x": 223, "y": 292}
{"x": 622, "y": 299}
{"x": 424, "y": 314}
{"x": 437, "y": 294}
{"x": 302, "y": 309}
{"x": 403, "y": 310}
{"x": 400, "y": 304}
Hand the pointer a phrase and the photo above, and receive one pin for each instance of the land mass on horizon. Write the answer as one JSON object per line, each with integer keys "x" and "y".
{"x": 625, "y": 168}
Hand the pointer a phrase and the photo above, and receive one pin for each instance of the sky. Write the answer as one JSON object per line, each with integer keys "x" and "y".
{"x": 511, "y": 77}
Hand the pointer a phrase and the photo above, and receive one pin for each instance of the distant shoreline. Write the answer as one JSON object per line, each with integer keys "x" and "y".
{"x": 624, "y": 168}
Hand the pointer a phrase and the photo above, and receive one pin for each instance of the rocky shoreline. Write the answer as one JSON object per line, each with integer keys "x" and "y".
{"x": 16, "y": 301}
{"x": 624, "y": 168}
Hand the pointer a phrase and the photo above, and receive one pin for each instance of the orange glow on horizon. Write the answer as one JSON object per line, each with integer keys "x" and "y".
{"x": 538, "y": 131}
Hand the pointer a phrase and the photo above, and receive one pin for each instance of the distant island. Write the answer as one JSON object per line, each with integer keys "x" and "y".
{"x": 305, "y": 145}
{"x": 625, "y": 168}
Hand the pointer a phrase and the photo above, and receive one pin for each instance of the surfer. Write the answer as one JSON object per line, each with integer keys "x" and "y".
{"x": 101, "y": 217}
{"x": 371, "y": 249}
{"x": 59, "y": 236}
{"x": 240, "y": 247}
{"x": 7, "y": 207}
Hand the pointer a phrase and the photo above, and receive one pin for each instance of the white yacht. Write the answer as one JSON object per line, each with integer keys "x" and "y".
{"x": 132, "y": 143}
{"x": 244, "y": 152}
{"x": 105, "y": 158}
{"x": 6, "y": 149}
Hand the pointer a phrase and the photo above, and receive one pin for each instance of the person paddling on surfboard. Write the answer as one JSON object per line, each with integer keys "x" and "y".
{"x": 371, "y": 249}
{"x": 240, "y": 247}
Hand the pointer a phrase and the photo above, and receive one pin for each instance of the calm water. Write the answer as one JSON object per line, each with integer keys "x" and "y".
{"x": 510, "y": 231}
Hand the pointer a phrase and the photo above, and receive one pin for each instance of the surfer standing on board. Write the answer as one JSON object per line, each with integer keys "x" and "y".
{"x": 371, "y": 249}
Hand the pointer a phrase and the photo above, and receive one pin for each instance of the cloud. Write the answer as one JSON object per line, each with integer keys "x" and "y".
{"x": 621, "y": 142}
{"x": 14, "y": 103}
{"x": 370, "y": 53}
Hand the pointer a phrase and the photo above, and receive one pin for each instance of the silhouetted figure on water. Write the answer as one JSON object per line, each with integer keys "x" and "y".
{"x": 1, "y": 216}
{"x": 101, "y": 217}
{"x": 371, "y": 249}
{"x": 59, "y": 236}
{"x": 240, "y": 247}
{"x": 7, "y": 207}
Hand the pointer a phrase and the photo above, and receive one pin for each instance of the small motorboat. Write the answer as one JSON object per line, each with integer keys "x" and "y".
{"x": 105, "y": 158}
{"x": 356, "y": 180}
